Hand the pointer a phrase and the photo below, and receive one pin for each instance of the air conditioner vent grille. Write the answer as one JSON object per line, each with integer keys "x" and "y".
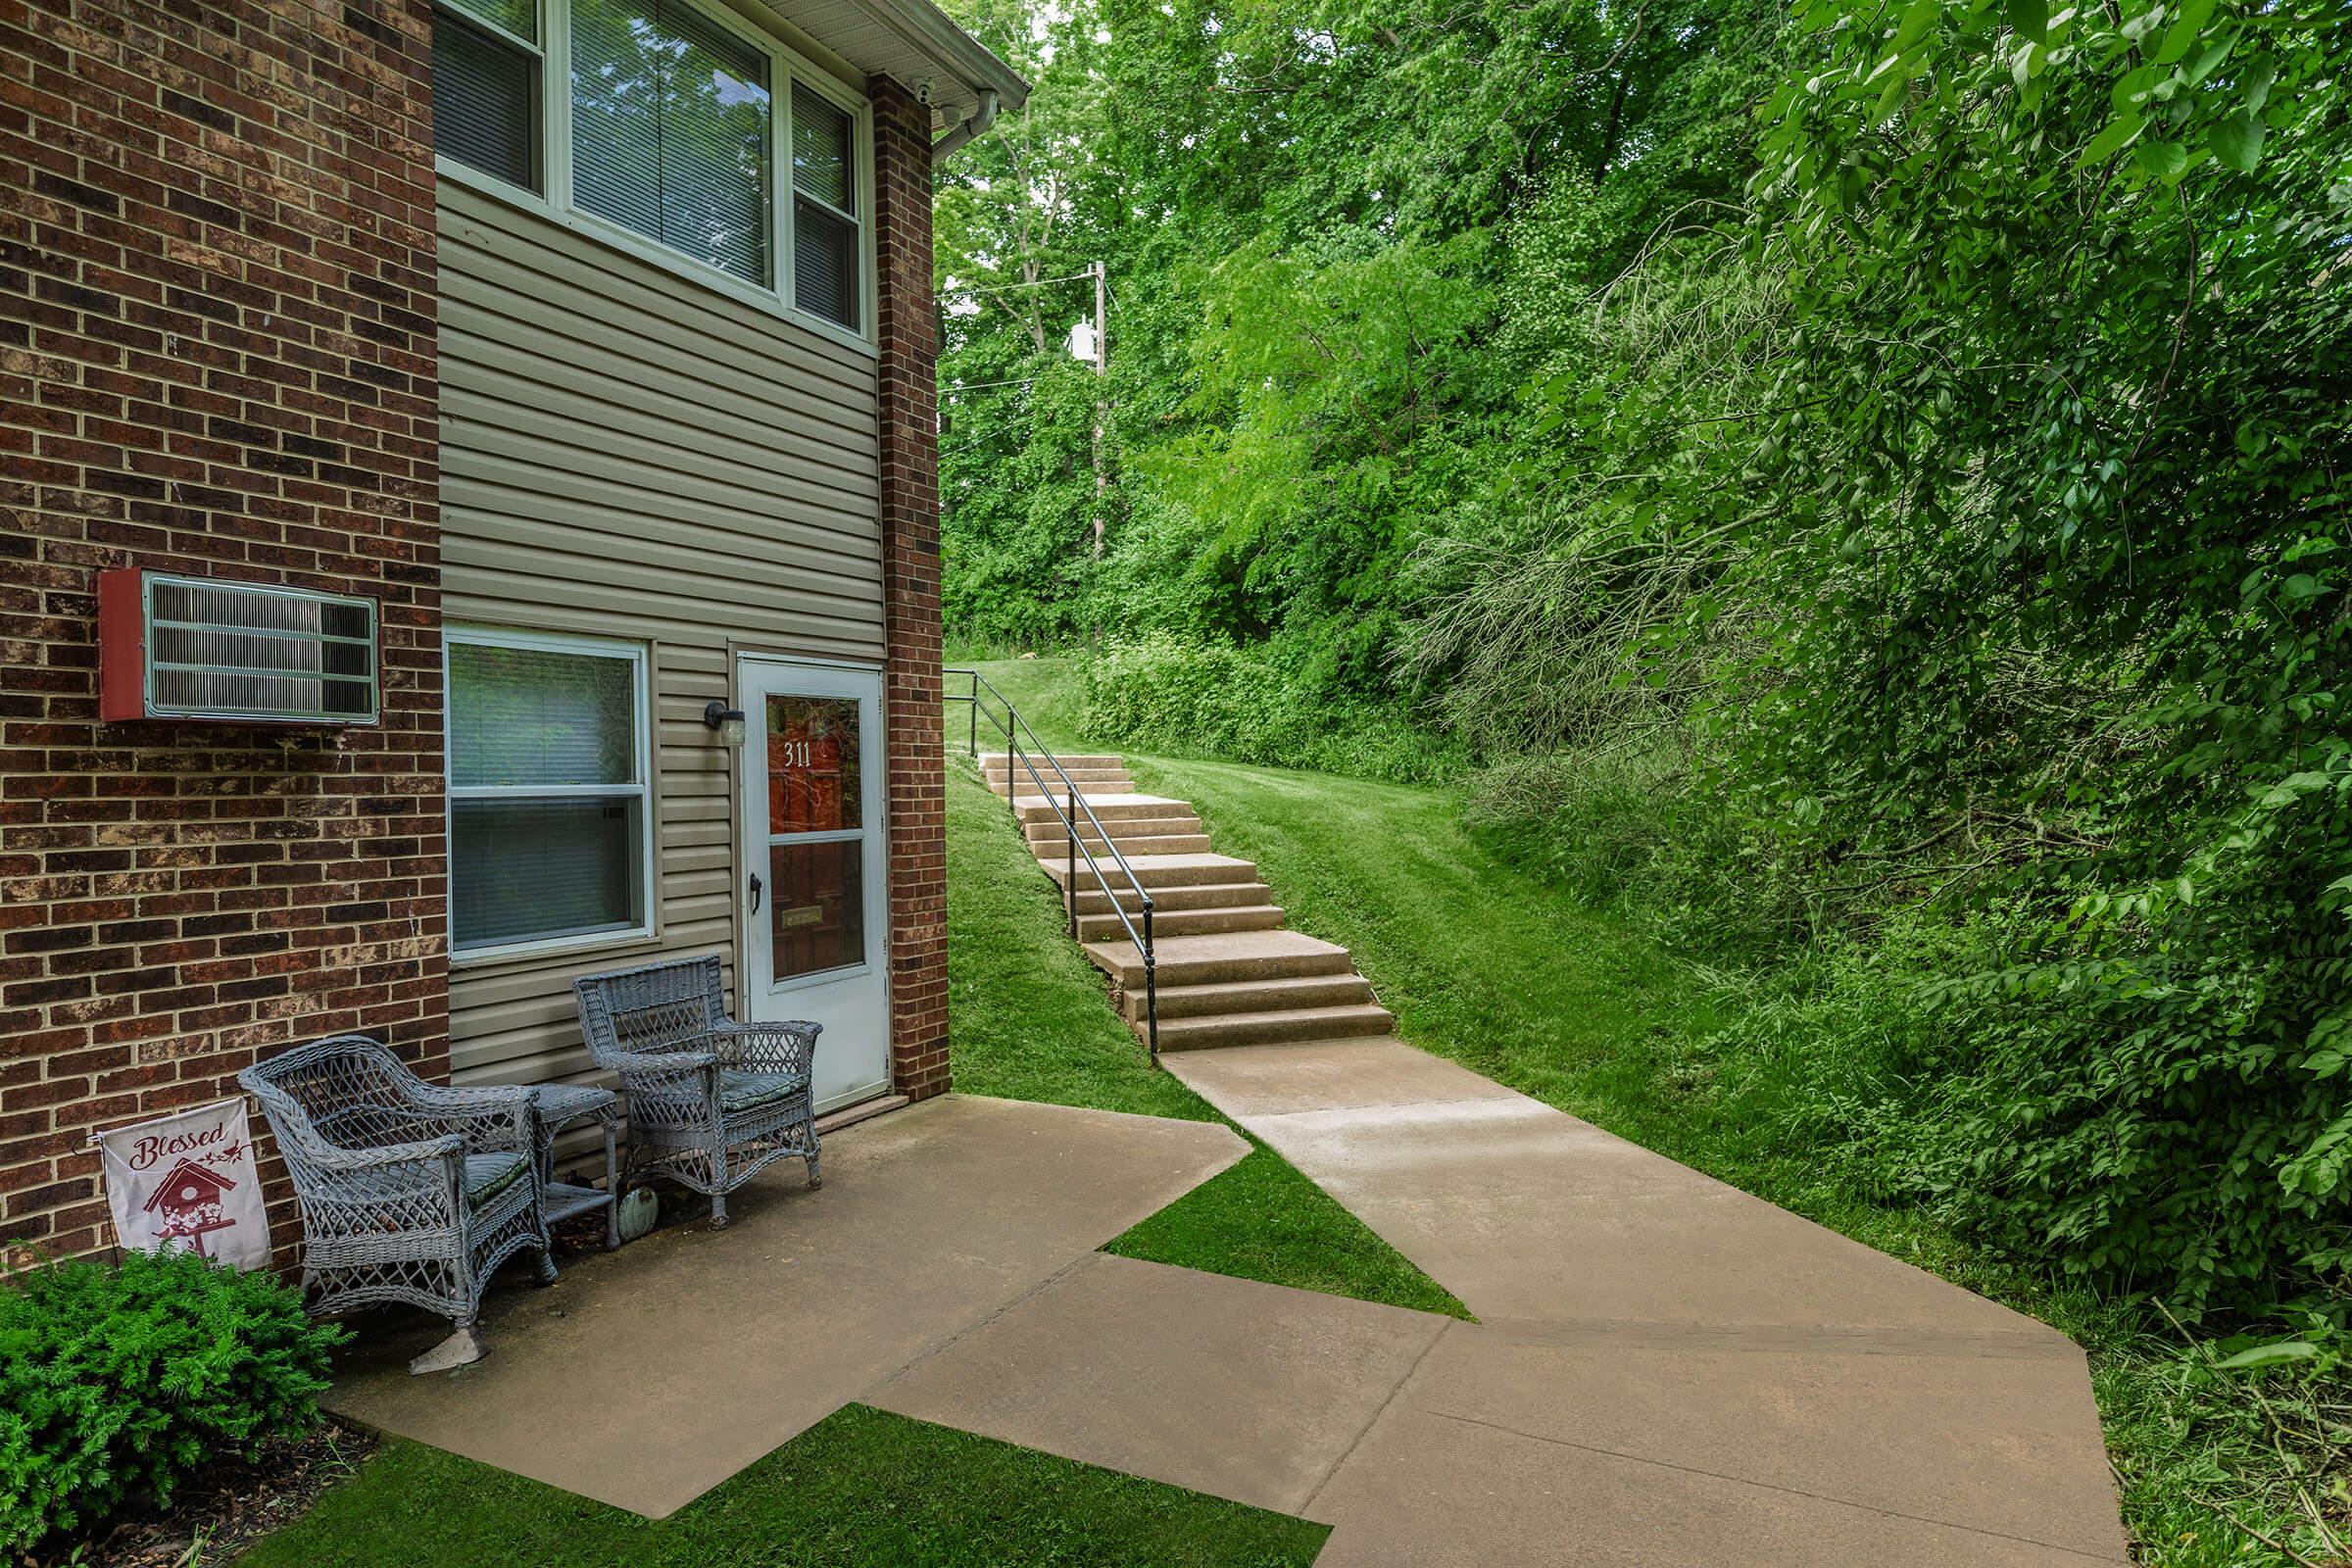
{"x": 233, "y": 650}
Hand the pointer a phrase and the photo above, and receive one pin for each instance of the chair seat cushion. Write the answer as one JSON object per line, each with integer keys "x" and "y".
{"x": 488, "y": 1175}
{"x": 745, "y": 1091}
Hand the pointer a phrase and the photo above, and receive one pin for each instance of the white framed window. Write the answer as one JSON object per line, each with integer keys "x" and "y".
{"x": 828, "y": 238}
{"x": 673, "y": 129}
{"x": 549, "y": 749}
{"x": 487, "y": 65}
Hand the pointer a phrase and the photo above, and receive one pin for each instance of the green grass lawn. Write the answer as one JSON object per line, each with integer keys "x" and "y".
{"x": 858, "y": 1489}
{"x": 1510, "y": 976}
{"x": 1045, "y": 690}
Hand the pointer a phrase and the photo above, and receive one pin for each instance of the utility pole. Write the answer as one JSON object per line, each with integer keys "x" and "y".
{"x": 1102, "y": 406}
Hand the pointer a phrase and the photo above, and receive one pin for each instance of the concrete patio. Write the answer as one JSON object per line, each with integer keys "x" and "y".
{"x": 645, "y": 1377}
{"x": 1668, "y": 1373}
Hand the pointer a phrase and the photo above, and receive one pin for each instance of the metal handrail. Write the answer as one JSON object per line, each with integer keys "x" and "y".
{"x": 1006, "y": 727}
{"x": 1012, "y": 728}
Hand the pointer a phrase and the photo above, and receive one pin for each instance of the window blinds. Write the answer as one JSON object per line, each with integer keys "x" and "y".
{"x": 670, "y": 123}
{"x": 536, "y": 870}
{"x": 522, "y": 716}
{"x": 547, "y": 807}
{"x": 824, "y": 229}
{"x": 485, "y": 101}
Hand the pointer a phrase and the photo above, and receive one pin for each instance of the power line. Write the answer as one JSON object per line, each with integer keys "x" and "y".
{"x": 978, "y": 386}
{"x": 1000, "y": 288}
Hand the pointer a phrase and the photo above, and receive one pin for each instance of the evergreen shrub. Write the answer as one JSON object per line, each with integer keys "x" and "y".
{"x": 118, "y": 1381}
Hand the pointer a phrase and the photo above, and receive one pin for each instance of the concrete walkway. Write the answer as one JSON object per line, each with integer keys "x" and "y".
{"x": 1667, "y": 1370}
{"x": 1247, "y": 1391}
{"x": 1669, "y": 1373}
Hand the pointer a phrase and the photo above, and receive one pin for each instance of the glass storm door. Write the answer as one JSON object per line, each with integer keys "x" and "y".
{"x": 813, "y": 873}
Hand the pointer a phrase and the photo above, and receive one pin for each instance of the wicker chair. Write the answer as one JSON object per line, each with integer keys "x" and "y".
{"x": 409, "y": 1192}
{"x": 711, "y": 1102}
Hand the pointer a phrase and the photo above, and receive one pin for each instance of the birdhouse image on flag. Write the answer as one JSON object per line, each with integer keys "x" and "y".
{"x": 187, "y": 1204}
{"x": 187, "y": 1180}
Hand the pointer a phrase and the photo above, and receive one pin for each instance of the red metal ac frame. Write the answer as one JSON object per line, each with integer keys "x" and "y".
{"x": 121, "y": 645}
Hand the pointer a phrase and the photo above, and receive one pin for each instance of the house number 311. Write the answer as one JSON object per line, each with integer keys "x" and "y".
{"x": 796, "y": 754}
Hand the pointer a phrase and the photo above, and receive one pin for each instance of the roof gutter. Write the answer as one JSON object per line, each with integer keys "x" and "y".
{"x": 975, "y": 124}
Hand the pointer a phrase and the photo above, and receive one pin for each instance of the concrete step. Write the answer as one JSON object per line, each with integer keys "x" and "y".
{"x": 1052, "y": 831}
{"x": 1226, "y": 955}
{"x": 995, "y": 771}
{"x": 1271, "y": 1028}
{"x": 1167, "y": 923}
{"x": 1070, "y": 761}
{"x": 1086, "y": 792}
{"x": 1253, "y": 995}
{"x": 1205, "y": 896}
{"x": 1089, "y": 784}
{"x": 1130, "y": 845}
{"x": 1176, "y": 816}
{"x": 1107, "y": 807}
{"x": 1157, "y": 871}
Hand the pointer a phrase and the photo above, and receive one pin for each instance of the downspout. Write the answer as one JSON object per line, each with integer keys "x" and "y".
{"x": 976, "y": 125}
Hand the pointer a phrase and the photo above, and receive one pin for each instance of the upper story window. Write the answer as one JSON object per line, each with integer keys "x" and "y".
{"x": 671, "y": 123}
{"x": 486, "y": 88}
{"x": 674, "y": 126}
{"x": 825, "y": 233}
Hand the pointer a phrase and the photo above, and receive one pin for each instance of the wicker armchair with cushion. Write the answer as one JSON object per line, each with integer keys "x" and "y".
{"x": 409, "y": 1192}
{"x": 711, "y": 1102}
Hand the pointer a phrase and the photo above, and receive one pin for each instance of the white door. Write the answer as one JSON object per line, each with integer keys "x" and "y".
{"x": 815, "y": 880}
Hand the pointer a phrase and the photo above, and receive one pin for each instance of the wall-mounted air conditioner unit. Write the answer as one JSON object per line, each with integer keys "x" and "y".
{"x": 190, "y": 648}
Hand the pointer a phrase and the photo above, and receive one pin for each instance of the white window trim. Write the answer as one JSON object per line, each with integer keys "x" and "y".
{"x": 642, "y": 791}
{"x": 786, "y": 65}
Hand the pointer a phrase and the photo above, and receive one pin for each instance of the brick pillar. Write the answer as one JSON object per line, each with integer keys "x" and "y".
{"x": 217, "y": 357}
{"x": 918, "y": 791}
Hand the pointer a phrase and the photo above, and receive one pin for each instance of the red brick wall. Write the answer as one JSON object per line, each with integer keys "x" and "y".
{"x": 917, "y": 792}
{"x": 217, "y": 355}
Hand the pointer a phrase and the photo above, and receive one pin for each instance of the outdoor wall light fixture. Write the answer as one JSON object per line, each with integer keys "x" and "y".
{"x": 729, "y": 721}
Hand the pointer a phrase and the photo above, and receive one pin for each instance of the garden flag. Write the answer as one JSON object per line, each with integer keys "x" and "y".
{"x": 189, "y": 1181}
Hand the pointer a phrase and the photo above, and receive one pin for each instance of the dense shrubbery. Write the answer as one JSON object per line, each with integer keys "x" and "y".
{"x": 1164, "y": 693}
{"x": 120, "y": 1381}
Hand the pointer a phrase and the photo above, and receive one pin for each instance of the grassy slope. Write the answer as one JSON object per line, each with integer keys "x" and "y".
{"x": 1028, "y": 1020}
{"x": 1510, "y": 976}
{"x": 860, "y": 1488}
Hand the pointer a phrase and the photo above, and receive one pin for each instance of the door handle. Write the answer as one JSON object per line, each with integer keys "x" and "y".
{"x": 755, "y": 893}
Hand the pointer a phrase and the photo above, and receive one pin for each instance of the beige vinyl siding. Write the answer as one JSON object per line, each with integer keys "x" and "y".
{"x": 627, "y": 454}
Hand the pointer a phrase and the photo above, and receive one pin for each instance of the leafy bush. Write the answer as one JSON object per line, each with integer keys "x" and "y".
{"x": 120, "y": 1381}
{"x": 2138, "y": 1100}
{"x": 1164, "y": 693}
{"x": 2101, "y": 1091}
